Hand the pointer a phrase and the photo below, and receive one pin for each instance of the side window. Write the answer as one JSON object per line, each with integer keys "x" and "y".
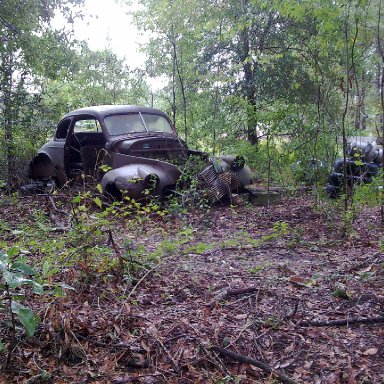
{"x": 62, "y": 128}
{"x": 87, "y": 125}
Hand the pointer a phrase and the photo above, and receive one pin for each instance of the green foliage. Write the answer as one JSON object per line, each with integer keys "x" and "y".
{"x": 340, "y": 291}
{"x": 364, "y": 195}
{"x": 30, "y": 51}
{"x": 370, "y": 194}
{"x": 190, "y": 190}
{"x": 258, "y": 268}
{"x": 19, "y": 282}
{"x": 15, "y": 276}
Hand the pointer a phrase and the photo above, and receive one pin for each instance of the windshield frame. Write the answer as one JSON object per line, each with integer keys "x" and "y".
{"x": 143, "y": 122}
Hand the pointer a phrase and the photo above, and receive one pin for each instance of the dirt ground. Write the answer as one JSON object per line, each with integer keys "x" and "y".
{"x": 239, "y": 294}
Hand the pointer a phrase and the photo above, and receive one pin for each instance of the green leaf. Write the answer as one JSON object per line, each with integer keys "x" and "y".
{"x": 3, "y": 256}
{"x": 43, "y": 227}
{"x": 99, "y": 187}
{"x": 13, "y": 251}
{"x": 3, "y": 261}
{"x": 37, "y": 288}
{"x": 21, "y": 267}
{"x": 66, "y": 286}
{"x": 18, "y": 297}
{"x": 1, "y": 346}
{"x": 26, "y": 317}
{"x": 76, "y": 199}
{"x": 98, "y": 202}
{"x": 46, "y": 268}
{"x": 14, "y": 280}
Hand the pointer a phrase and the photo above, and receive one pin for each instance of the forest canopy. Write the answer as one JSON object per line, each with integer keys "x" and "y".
{"x": 277, "y": 81}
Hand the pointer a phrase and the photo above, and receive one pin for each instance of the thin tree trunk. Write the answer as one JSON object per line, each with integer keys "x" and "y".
{"x": 344, "y": 116}
{"x": 182, "y": 88}
{"x": 216, "y": 106}
{"x": 248, "y": 78}
{"x": 381, "y": 90}
{"x": 6, "y": 90}
{"x": 174, "y": 87}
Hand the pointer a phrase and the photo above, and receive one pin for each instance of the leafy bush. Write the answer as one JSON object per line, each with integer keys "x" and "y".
{"x": 370, "y": 194}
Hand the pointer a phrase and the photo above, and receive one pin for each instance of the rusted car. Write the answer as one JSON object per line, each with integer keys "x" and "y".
{"x": 131, "y": 149}
{"x": 363, "y": 162}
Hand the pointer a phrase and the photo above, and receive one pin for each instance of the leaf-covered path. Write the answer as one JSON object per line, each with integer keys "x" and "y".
{"x": 266, "y": 283}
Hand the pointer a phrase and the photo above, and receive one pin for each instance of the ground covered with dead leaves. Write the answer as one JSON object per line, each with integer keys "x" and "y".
{"x": 241, "y": 294}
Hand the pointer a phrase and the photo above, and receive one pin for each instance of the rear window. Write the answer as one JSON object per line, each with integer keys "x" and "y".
{"x": 138, "y": 122}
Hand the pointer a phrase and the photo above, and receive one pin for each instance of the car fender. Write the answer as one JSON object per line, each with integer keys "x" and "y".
{"x": 135, "y": 179}
{"x": 45, "y": 166}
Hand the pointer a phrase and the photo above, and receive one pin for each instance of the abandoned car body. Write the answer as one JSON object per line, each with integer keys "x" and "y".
{"x": 132, "y": 149}
{"x": 363, "y": 162}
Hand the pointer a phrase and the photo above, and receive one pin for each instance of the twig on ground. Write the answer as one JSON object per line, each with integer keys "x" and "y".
{"x": 168, "y": 354}
{"x": 54, "y": 205}
{"x": 247, "y": 325}
{"x": 134, "y": 289}
{"x": 352, "y": 320}
{"x": 257, "y": 363}
{"x": 105, "y": 345}
{"x": 129, "y": 378}
{"x": 291, "y": 314}
{"x": 215, "y": 359}
{"x": 376, "y": 256}
{"x": 231, "y": 292}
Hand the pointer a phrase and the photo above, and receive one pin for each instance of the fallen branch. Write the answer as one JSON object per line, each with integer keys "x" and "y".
{"x": 352, "y": 320}
{"x": 372, "y": 259}
{"x": 231, "y": 292}
{"x": 104, "y": 345}
{"x": 256, "y": 363}
{"x": 167, "y": 353}
{"x": 146, "y": 274}
{"x": 129, "y": 378}
{"x": 54, "y": 205}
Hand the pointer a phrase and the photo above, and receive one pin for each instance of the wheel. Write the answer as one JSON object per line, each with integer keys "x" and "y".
{"x": 335, "y": 179}
{"x": 372, "y": 169}
{"x": 333, "y": 192}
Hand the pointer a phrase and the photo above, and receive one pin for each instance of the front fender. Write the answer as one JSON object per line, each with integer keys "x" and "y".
{"x": 134, "y": 179}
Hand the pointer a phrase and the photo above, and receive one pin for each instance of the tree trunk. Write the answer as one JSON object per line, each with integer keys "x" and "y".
{"x": 6, "y": 91}
{"x": 182, "y": 87}
{"x": 247, "y": 63}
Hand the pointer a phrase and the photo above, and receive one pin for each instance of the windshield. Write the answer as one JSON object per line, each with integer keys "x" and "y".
{"x": 136, "y": 122}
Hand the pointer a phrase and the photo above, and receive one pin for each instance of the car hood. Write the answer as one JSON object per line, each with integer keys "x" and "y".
{"x": 160, "y": 146}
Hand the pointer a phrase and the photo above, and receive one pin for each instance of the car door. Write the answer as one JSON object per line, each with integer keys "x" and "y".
{"x": 84, "y": 139}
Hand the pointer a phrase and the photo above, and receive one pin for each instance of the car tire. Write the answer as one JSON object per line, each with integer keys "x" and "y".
{"x": 335, "y": 179}
{"x": 332, "y": 191}
{"x": 372, "y": 169}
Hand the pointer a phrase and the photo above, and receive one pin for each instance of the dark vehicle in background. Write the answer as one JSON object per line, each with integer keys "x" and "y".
{"x": 131, "y": 149}
{"x": 363, "y": 162}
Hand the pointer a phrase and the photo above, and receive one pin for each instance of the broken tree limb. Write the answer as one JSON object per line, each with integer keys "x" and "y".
{"x": 257, "y": 363}
{"x": 146, "y": 274}
{"x": 341, "y": 322}
{"x": 231, "y": 292}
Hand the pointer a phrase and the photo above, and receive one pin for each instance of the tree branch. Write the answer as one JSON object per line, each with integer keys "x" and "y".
{"x": 341, "y": 322}
{"x": 257, "y": 363}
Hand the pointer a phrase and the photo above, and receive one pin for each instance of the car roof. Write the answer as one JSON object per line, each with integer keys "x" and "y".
{"x": 101, "y": 111}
